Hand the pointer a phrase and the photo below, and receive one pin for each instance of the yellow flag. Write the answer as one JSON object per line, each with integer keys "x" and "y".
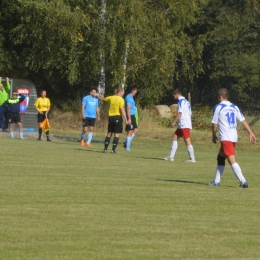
{"x": 45, "y": 125}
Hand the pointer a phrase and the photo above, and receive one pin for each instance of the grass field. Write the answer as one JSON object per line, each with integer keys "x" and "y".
{"x": 59, "y": 200}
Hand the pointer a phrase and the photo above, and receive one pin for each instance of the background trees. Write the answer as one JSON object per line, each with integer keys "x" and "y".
{"x": 157, "y": 45}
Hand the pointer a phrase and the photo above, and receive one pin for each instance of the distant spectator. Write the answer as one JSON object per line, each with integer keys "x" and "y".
{"x": 13, "y": 107}
{"x": 4, "y": 95}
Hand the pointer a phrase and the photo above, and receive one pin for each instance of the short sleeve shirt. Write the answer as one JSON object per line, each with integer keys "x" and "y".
{"x": 129, "y": 100}
{"x": 185, "y": 109}
{"x": 90, "y": 106}
{"x": 116, "y": 103}
{"x": 42, "y": 104}
{"x": 226, "y": 115}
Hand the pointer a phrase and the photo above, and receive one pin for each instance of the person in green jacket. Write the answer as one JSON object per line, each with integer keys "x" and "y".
{"x": 4, "y": 95}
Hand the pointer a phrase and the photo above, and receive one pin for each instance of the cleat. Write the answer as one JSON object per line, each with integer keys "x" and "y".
{"x": 82, "y": 143}
{"x": 128, "y": 150}
{"x": 244, "y": 185}
{"x": 212, "y": 183}
{"x": 104, "y": 151}
{"x": 191, "y": 161}
{"x": 39, "y": 139}
{"x": 21, "y": 138}
{"x": 89, "y": 144}
{"x": 48, "y": 140}
{"x": 123, "y": 145}
{"x": 168, "y": 159}
{"x": 113, "y": 151}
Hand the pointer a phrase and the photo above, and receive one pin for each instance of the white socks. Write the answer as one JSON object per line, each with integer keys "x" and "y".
{"x": 237, "y": 171}
{"x": 219, "y": 171}
{"x": 191, "y": 152}
{"x": 174, "y": 149}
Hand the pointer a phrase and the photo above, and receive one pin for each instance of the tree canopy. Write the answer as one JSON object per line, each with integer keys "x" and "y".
{"x": 199, "y": 46}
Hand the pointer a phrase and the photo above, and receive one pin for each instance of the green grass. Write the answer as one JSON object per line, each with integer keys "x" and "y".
{"x": 62, "y": 201}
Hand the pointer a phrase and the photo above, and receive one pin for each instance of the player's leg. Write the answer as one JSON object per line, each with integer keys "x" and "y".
{"x": 221, "y": 158}
{"x": 20, "y": 129}
{"x": 131, "y": 134}
{"x": 237, "y": 171}
{"x": 91, "y": 129}
{"x": 229, "y": 151}
{"x": 11, "y": 122}
{"x": 2, "y": 109}
{"x": 83, "y": 133}
{"x": 40, "y": 118}
{"x": 186, "y": 136}
{"x": 5, "y": 125}
{"x": 174, "y": 146}
{"x": 109, "y": 133}
{"x": 11, "y": 130}
{"x": 118, "y": 128}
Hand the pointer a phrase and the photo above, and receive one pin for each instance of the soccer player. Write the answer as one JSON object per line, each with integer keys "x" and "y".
{"x": 43, "y": 105}
{"x": 183, "y": 118}
{"x": 225, "y": 116}
{"x": 115, "y": 121}
{"x": 90, "y": 111}
{"x": 4, "y": 95}
{"x": 131, "y": 111}
{"x": 13, "y": 107}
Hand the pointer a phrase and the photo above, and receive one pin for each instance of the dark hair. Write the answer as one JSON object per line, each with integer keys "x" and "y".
{"x": 42, "y": 91}
{"x": 177, "y": 92}
{"x": 223, "y": 92}
{"x": 131, "y": 88}
{"x": 91, "y": 89}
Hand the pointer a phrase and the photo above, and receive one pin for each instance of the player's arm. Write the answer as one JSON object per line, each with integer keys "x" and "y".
{"x": 214, "y": 128}
{"x": 178, "y": 116}
{"x": 36, "y": 106}
{"x": 0, "y": 80}
{"x": 98, "y": 113}
{"x": 128, "y": 107}
{"x": 252, "y": 137}
{"x": 123, "y": 114}
{"x": 101, "y": 98}
{"x": 48, "y": 108}
{"x": 82, "y": 110}
{"x": 8, "y": 86}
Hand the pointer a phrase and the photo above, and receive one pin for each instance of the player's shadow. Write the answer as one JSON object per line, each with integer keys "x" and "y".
{"x": 148, "y": 158}
{"x": 182, "y": 181}
{"x": 84, "y": 150}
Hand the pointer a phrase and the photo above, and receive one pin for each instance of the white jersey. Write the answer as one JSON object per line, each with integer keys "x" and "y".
{"x": 226, "y": 115}
{"x": 185, "y": 110}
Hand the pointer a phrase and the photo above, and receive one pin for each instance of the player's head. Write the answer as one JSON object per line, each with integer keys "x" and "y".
{"x": 177, "y": 93}
{"x": 93, "y": 92}
{"x": 132, "y": 89}
{"x": 1, "y": 86}
{"x": 15, "y": 94}
{"x": 120, "y": 91}
{"x": 223, "y": 94}
{"x": 43, "y": 93}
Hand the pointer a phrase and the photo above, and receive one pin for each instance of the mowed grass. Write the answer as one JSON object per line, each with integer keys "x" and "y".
{"x": 59, "y": 200}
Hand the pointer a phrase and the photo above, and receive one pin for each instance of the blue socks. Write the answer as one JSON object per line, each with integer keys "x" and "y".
{"x": 90, "y": 135}
{"x": 82, "y": 136}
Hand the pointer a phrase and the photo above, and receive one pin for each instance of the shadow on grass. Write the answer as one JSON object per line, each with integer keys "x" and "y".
{"x": 195, "y": 182}
{"x": 182, "y": 181}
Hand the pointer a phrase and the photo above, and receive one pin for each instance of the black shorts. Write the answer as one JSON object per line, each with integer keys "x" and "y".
{"x": 88, "y": 122}
{"x": 42, "y": 116}
{"x": 133, "y": 124}
{"x": 14, "y": 118}
{"x": 115, "y": 124}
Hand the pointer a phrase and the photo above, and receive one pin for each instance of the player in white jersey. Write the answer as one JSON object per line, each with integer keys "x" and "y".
{"x": 225, "y": 117}
{"x": 184, "y": 126}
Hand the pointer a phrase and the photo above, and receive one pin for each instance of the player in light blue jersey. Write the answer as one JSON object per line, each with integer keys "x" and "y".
{"x": 131, "y": 112}
{"x": 225, "y": 117}
{"x": 90, "y": 111}
{"x": 183, "y": 119}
